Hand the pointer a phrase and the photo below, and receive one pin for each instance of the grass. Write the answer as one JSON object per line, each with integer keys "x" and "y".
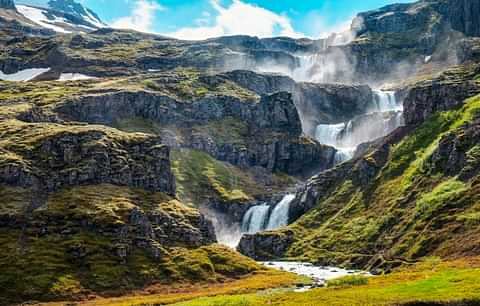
{"x": 158, "y": 295}
{"x": 70, "y": 246}
{"x": 441, "y": 282}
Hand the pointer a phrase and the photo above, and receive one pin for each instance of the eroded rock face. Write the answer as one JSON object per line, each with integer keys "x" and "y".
{"x": 316, "y": 103}
{"x": 458, "y": 153}
{"x": 88, "y": 156}
{"x": 448, "y": 91}
{"x": 273, "y": 137}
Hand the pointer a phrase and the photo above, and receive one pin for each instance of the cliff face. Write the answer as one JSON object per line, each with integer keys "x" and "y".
{"x": 81, "y": 156}
{"x": 316, "y": 103}
{"x": 265, "y": 131}
{"x": 444, "y": 92}
{"x": 462, "y": 15}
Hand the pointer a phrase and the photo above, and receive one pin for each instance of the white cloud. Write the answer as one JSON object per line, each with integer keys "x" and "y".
{"x": 319, "y": 28}
{"x": 239, "y": 18}
{"x": 142, "y": 17}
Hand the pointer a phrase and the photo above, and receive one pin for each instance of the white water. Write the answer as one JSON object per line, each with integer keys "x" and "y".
{"x": 346, "y": 138}
{"x": 319, "y": 274}
{"x": 23, "y": 75}
{"x": 279, "y": 216}
{"x": 385, "y": 101}
{"x": 255, "y": 218}
{"x": 262, "y": 217}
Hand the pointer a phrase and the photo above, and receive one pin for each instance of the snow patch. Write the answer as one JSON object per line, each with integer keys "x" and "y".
{"x": 23, "y": 75}
{"x": 39, "y": 17}
{"x": 74, "y": 77}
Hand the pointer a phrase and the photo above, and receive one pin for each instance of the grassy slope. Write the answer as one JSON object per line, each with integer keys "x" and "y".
{"x": 405, "y": 213}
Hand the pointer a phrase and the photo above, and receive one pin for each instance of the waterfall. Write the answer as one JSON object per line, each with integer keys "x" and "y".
{"x": 329, "y": 134}
{"x": 386, "y": 114}
{"x": 386, "y": 101}
{"x": 279, "y": 215}
{"x": 255, "y": 219}
{"x": 262, "y": 217}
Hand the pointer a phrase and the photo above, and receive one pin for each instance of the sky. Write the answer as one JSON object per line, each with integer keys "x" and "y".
{"x": 200, "y": 19}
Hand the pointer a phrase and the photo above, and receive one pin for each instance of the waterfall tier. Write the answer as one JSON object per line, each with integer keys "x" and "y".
{"x": 263, "y": 217}
{"x": 386, "y": 114}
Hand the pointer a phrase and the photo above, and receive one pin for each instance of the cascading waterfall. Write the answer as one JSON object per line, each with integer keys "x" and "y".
{"x": 384, "y": 116}
{"x": 255, "y": 218}
{"x": 262, "y": 217}
{"x": 386, "y": 101}
{"x": 279, "y": 215}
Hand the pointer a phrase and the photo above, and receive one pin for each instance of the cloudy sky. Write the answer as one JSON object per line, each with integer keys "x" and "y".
{"x": 199, "y": 19}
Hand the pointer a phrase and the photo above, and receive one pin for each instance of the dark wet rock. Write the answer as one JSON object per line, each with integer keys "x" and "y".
{"x": 266, "y": 245}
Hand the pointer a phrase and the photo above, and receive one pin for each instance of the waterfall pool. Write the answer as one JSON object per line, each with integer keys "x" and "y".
{"x": 319, "y": 274}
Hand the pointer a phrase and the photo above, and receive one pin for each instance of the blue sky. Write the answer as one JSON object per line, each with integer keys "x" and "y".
{"x": 199, "y": 19}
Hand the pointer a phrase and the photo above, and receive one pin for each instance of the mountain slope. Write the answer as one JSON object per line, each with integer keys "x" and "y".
{"x": 414, "y": 194}
{"x": 63, "y": 16}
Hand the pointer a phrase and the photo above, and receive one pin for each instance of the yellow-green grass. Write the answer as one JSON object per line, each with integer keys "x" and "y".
{"x": 160, "y": 295}
{"x": 427, "y": 281}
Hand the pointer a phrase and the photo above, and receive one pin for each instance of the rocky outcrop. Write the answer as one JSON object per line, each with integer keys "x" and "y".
{"x": 73, "y": 156}
{"x": 316, "y": 103}
{"x": 292, "y": 155}
{"x": 330, "y": 103}
{"x": 266, "y": 245}
{"x": 445, "y": 92}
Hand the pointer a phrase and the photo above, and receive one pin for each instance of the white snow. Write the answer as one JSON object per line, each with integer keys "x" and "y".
{"x": 428, "y": 58}
{"x": 23, "y": 75}
{"x": 73, "y": 77}
{"x": 39, "y": 17}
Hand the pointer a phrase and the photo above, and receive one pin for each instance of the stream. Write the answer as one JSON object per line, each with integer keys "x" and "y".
{"x": 319, "y": 274}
